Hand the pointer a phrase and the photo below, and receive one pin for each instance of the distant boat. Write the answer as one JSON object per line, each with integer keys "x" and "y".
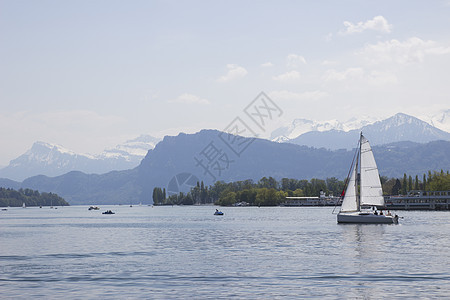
{"x": 93, "y": 208}
{"x": 108, "y": 212}
{"x": 369, "y": 195}
{"x": 218, "y": 213}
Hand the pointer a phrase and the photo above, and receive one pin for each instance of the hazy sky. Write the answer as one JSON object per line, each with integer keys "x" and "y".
{"x": 91, "y": 74}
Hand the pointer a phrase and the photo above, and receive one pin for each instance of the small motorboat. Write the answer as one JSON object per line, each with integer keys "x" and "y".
{"x": 94, "y": 208}
{"x": 108, "y": 212}
{"x": 218, "y": 213}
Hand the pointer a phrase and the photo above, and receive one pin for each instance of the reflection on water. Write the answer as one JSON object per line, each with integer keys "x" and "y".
{"x": 251, "y": 253}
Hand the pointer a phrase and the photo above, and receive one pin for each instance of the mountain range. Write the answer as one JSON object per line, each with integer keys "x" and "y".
{"x": 53, "y": 160}
{"x": 400, "y": 127}
{"x": 208, "y": 156}
{"x": 303, "y": 150}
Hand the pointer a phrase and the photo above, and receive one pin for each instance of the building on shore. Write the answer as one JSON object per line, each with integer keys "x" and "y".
{"x": 415, "y": 200}
{"x": 419, "y": 200}
{"x": 322, "y": 200}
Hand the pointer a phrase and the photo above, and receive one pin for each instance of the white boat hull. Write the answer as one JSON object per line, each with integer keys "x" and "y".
{"x": 365, "y": 218}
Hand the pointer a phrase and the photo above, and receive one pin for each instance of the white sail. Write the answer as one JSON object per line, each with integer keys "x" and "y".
{"x": 350, "y": 202}
{"x": 370, "y": 185}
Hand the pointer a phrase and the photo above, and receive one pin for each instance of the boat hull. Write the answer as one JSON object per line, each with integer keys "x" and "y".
{"x": 364, "y": 218}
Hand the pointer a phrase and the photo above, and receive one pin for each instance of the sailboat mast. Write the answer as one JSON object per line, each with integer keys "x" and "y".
{"x": 358, "y": 177}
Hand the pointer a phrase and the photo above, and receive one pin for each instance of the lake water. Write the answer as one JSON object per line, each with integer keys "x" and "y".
{"x": 249, "y": 253}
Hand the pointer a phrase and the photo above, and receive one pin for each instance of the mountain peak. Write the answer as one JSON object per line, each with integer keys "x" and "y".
{"x": 441, "y": 120}
{"x": 44, "y": 148}
{"x": 144, "y": 138}
{"x": 401, "y": 118}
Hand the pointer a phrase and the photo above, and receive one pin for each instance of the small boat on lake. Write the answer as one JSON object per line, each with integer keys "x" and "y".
{"x": 93, "y": 208}
{"x": 108, "y": 212}
{"x": 218, "y": 213}
{"x": 363, "y": 193}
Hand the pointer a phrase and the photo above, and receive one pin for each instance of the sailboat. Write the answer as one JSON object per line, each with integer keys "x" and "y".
{"x": 364, "y": 190}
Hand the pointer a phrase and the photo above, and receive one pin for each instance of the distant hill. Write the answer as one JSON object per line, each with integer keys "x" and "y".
{"x": 12, "y": 198}
{"x": 117, "y": 187}
{"x": 53, "y": 160}
{"x": 178, "y": 154}
{"x": 400, "y": 127}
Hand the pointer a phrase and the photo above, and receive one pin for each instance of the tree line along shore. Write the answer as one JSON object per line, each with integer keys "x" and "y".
{"x": 265, "y": 192}
{"x": 15, "y": 198}
{"x": 270, "y": 192}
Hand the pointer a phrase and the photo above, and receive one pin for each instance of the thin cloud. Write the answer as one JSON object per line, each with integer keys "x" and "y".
{"x": 374, "y": 77}
{"x": 288, "y": 95}
{"x": 234, "y": 72}
{"x": 349, "y": 73}
{"x": 412, "y": 50}
{"x": 378, "y": 23}
{"x": 267, "y": 65}
{"x": 286, "y": 77}
{"x": 189, "y": 99}
{"x": 294, "y": 61}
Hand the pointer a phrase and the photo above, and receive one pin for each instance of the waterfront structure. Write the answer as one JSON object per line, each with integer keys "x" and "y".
{"x": 322, "y": 200}
{"x": 419, "y": 200}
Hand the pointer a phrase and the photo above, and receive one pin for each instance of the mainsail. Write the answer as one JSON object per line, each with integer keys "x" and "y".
{"x": 370, "y": 185}
{"x": 350, "y": 202}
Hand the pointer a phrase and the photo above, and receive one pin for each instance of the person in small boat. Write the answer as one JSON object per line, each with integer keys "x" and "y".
{"x": 375, "y": 213}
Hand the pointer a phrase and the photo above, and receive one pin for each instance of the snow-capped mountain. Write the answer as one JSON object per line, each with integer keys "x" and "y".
{"x": 400, "y": 127}
{"x": 302, "y": 126}
{"x": 441, "y": 120}
{"x": 132, "y": 150}
{"x": 53, "y": 160}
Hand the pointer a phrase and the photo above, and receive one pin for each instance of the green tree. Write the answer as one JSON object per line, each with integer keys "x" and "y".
{"x": 397, "y": 187}
{"x": 416, "y": 183}
{"x": 439, "y": 182}
{"x": 298, "y": 193}
{"x": 203, "y": 193}
{"x": 227, "y": 198}
{"x": 388, "y": 186}
{"x": 404, "y": 185}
